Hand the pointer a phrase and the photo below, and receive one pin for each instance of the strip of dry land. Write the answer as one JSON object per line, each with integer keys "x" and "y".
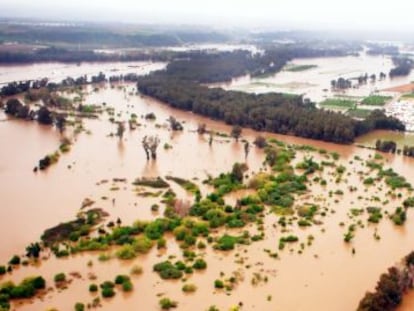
{"x": 401, "y": 88}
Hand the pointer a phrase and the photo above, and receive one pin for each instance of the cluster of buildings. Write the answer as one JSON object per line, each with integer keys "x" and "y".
{"x": 403, "y": 110}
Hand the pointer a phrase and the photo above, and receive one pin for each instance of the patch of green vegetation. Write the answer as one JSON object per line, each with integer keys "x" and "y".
{"x": 308, "y": 165}
{"x": 151, "y": 182}
{"x": 74, "y": 229}
{"x": 89, "y": 109}
{"x": 338, "y": 103}
{"x": 226, "y": 183}
{"x": 297, "y": 68}
{"x": 167, "y": 303}
{"x": 93, "y": 288}
{"x": 287, "y": 239}
{"x": 408, "y": 96}
{"x": 107, "y": 289}
{"x": 359, "y": 113}
{"x": 167, "y": 270}
{"x": 218, "y": 284}
{"x": 399, "y": 216}
{"x": 28, "y": 288}
{"x": 189, "y": 288}
{"x": 350, "y": 234}
{"x": 139, "y": 245}
{"x": 200, "y": 264}
{"x": 186, "y": 184}
{"x": 376, "y": 100}
{"x": 226, "y": 242}
{"x": 369, "y": 181}
{"x": 409, "y": 202}
{"x": 307, "y": 211}
{"x": 60, "y": 277}
{"x": 375, "y": 214}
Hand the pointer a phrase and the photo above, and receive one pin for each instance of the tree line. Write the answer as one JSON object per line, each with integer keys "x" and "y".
{"x": 54, "y": 54}
{"x": 180, "y": 86}
{"x": 390, "y": 146}
{"x": 402, "y": 67}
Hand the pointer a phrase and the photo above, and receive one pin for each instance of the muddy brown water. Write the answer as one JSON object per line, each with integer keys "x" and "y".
{"x": 325, "y": 277}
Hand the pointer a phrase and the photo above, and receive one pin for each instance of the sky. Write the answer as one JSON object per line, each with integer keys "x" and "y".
{"x": 289, "y": 14}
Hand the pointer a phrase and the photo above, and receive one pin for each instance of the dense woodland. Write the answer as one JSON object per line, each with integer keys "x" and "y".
{"x": 54, "y": 54}
{"x": 180, "y": 87}
{"x": 402, "y": 67}
{"x": 111, "y": 35}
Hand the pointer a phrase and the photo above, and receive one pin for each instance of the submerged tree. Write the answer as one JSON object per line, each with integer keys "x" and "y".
{"x": 150, "y": 144}
{"x": 210, "y": 139}
{"x": 246, "y": 149}
{"x": 44, "y": 116}
{"x": 33, "y": 250}
{"x": 120, "y": 131}
{"x": 238, "y": 171}
{"x": 174, "y": 124}
{"x": 236, "y": 132}
{"x": 201, "y": 129}
{"x": 260, "y": 142}
{"x": 60, "y": 123}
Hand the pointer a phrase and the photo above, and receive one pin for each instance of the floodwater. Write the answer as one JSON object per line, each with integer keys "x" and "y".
{"x": 326, "y": 276}
{"x": 315, "y": 83}
{"x": 56, "y": 72}
{"x": 400, "y": 138}
{"x": 187, "y": 47}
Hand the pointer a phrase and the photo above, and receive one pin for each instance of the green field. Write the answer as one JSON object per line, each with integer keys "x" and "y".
{"x": 409, "y": 96}
{"x": 296, "y": 68}
{"x": 359, "y": 113}
{"x": 338, "y": 103}
{"x": 376, "y": 100}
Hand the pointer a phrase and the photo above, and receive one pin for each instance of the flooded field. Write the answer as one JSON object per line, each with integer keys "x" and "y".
{"x": 315, "y": 83}
{"x": 324, "y": 273}
{"x": 56, "y": 72}
{"x": 400, "y": 138}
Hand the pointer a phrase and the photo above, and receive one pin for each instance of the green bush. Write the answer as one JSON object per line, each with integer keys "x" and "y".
{"x": 136, "y": 270}
{"x": 200, "y": 264}
{"x": 3, "y": 270}
{"x": 189, "y": 288}
{"x": 167, "y": 270}
{"x": 218, "y": 284}
{"x": 126, "y": 252}
{"x": 108, "y": 292}
{"x": 127, "y": 286}
{"x": 409, "y": 202}
{"x": 226, "y": 242}
{"x": 60, "y": 277}
{"x": 119, "y": 279}
{"x": 161, "y": 243}
{"x": 93, "y": 288}
{"x": 15, "y": 260}
{"x": 166, "y": 304}
{"x": 79, "y": 306}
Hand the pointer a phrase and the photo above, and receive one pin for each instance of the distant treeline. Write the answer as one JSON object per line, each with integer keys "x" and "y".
{"x": 179, "y": 86}
{"x": 375, "y": 49}
{"x": 402, "y": 67}
{"x": 205, "y": 67}
{"x": 109, "y": 36}
{"x": 54, "y": 54}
